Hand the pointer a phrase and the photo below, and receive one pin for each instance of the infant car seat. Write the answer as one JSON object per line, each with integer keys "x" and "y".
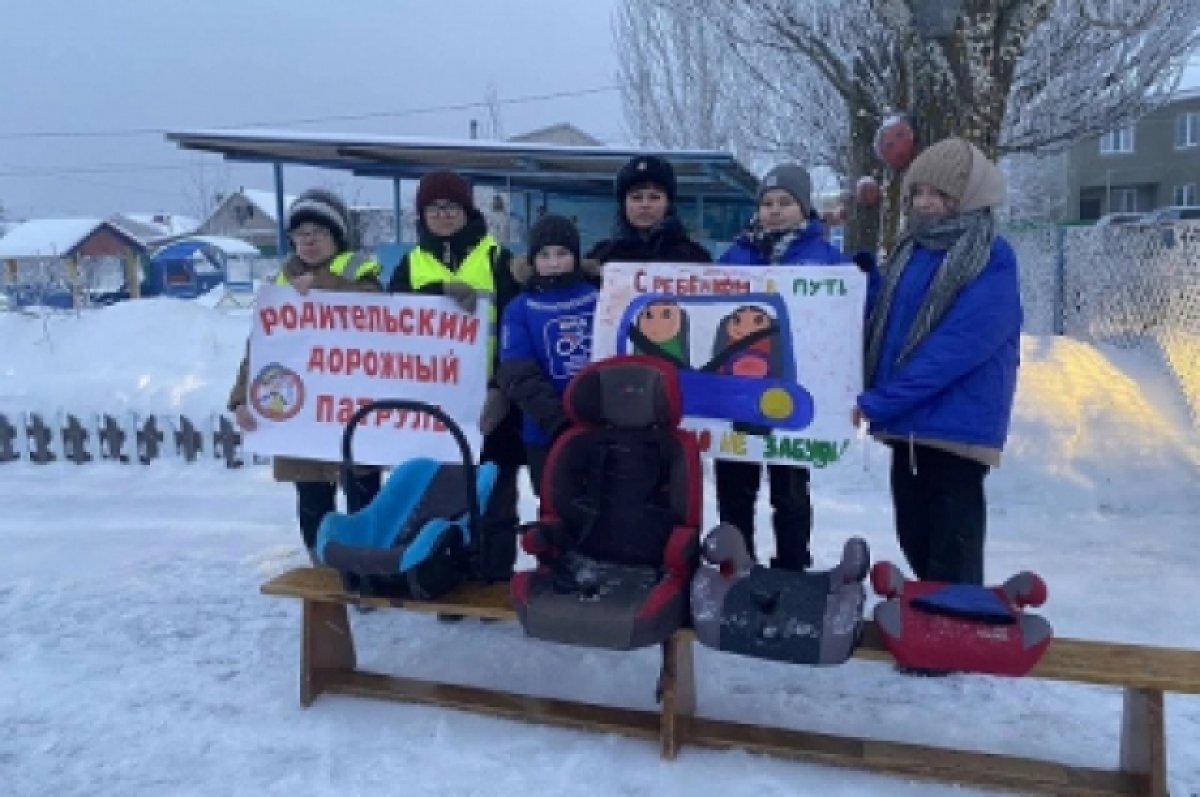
{"x": 414, "y": 539}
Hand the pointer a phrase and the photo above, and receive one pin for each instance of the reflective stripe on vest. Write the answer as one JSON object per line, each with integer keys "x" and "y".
{"x": 356, "y": 263}
{"x": 475, "y": 270}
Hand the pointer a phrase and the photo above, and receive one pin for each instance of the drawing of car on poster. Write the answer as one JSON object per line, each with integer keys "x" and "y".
{"x": 749, "y": 377}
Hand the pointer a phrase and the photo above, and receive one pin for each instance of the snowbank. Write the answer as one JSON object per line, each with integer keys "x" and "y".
{"x": 152, "y": 355}
{"x": 1098, "y": 428}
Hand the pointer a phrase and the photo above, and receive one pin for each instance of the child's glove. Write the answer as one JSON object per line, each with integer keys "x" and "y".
{"x": 245, "y": 419}
{"x": 462, "y": 294}
{"x": 495, "y": 409}
{"x": 865, "y": 261}
{"x": 303, "y": 283}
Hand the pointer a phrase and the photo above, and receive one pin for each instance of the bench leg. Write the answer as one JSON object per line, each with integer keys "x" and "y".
{"x": 326, "y": 643}
{"x": 1144, "y": 740}
{"x": 677, "y": 684}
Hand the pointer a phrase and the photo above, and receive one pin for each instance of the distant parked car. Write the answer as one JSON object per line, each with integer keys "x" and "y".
{"x": 1174, "y": 213}
{"x": 1118, "y": 219}
{"x": 1181, "y": 219}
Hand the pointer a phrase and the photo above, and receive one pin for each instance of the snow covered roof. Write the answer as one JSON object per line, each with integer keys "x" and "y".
{"x": 561, "y": 133}
{"x": 167, "y": 223}
{"x": 1191, "y": 93}
{"x": 230, "y": 246}
{"x": 265, "y": 200}
{"x": 46, "y": 237}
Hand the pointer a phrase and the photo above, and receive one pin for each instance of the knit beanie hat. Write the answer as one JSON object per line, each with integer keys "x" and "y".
{"x": 646, "y": 169}
{"x": 791, "y": 178}
{"x": 554, "y": 230}
{"x": 446, "y": 186}
{"x": 325, "y": 208}
{"x": 959, "y": 170}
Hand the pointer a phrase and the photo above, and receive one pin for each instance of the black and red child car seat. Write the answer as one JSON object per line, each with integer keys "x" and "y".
{"x": 617, "y": 538}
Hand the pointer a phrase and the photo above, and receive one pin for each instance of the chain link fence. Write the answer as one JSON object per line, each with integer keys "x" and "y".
{"x": 1125, "y": 285}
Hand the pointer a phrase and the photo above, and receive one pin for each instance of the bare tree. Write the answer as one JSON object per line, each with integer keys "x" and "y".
{"x": 495, "y": 119}
{"x": 1012, "y": 76}
{"x": 838, "y": 69}
{"x": 1096, "y": 65}
{"x": 674, "y": 74}
{"x": 208, "y": 183}
{"x": 1037, "y": 186}
{"x": 880, "y": 57}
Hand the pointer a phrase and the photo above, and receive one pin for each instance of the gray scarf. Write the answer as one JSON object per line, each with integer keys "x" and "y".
{"x": 967, "y": 240}
{"x": 773, "y": 245}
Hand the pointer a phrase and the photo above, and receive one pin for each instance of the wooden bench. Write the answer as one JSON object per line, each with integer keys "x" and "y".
{"x": 328, "y": 664}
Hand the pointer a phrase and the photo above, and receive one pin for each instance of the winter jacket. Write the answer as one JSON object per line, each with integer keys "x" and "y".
{"x": 957, "y": 386}
{"x": 452, "y": 251}
{"x": 502, "y": 446}
{"x": 808, "y": 247}
{"x": 667, "y": 243}
{"x": 545, "y": 339}
{"x": 292, "y": 469}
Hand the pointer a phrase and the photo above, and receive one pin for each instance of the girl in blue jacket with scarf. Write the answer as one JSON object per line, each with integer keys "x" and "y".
{"x": 546, "y": 335}
{"x": 942, "y": 350}
{"x": 784, "y": 231}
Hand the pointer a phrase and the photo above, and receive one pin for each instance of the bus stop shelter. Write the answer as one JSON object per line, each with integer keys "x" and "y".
{"x": 715, "y": 196}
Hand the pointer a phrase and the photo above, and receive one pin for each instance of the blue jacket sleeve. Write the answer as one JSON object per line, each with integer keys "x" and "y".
{"x": 833, "y": 255}
{"x": 515, "y": 341}
{"x": 984, "y": 316}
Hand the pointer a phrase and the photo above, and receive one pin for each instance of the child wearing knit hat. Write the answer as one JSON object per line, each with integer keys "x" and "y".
{"x": 546, "y": 335}
{"x": 942, "y": 351}
{"x": 784, "y": 230}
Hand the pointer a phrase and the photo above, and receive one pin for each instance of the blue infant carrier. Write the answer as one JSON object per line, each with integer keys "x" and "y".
{"x": 415, "y": 539}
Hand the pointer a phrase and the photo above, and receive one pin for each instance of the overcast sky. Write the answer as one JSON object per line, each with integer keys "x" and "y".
{"x": 74, "y": 74}
{"x": 95, "y": 66}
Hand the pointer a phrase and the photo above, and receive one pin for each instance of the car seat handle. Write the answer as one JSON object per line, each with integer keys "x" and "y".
{"x": 412, "y": 405}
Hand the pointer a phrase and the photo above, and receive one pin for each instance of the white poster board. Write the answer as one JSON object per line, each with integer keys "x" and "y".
{"x": 316, "y": 358}
{"x": 770, "y": 358}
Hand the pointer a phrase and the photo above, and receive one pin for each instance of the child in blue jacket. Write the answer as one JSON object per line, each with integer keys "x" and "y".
{"x": 784, "y": 231}
{"x": 546, "y": 335}
{"x": 942, "y": 350}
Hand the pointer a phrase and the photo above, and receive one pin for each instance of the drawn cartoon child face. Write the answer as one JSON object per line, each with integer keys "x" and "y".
{"x": 746, "y": 320}
{"x": 274, "y": 382}
{"x": 660, "y": 321}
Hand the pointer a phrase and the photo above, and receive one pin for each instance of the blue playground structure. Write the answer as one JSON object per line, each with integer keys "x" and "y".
{"x": 193, "y": 266}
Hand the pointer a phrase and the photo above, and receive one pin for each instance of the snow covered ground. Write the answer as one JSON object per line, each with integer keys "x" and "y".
{"x": 137, "y": 657}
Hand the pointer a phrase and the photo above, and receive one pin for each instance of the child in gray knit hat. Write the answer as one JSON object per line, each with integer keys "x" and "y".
{"x": 783, "y": 231}
{"x": 942, "y": 350}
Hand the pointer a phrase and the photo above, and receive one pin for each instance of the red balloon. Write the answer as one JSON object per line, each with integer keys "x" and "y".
{"x": 896, "y": 142}
{"x": 867, "y": 193}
